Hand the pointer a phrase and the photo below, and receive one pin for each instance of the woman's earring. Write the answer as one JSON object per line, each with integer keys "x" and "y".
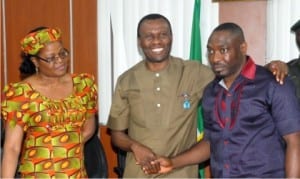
{"x": 36, "y": 70}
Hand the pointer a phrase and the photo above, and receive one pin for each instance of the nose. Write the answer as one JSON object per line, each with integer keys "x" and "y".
{"x": 156, "y": 40}
{"x": 58, "y": 58}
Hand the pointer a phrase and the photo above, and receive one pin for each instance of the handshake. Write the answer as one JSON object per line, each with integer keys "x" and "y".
{"x": 150, "y": 162}
{"x": 160, "y": 165}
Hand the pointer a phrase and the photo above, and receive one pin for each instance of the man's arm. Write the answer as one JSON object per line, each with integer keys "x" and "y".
{"x": 292, "y": 163}
{"x": 195, "y": 155}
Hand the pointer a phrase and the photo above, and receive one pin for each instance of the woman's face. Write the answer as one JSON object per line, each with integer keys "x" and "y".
{"x": 52, "y": 60}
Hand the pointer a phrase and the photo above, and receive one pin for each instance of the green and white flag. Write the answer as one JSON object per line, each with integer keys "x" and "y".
{"x": 196, "y": 54}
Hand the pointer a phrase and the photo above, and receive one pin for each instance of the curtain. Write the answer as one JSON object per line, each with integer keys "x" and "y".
{"x": 281, "y": 15}
{"x": 117, "y": 36}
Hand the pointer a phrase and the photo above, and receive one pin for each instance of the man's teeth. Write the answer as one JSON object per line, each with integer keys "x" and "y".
{"x": 157, "y": 50}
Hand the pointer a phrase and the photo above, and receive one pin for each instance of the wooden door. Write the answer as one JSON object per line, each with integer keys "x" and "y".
{"x": 76, "y": 18}
{"x": 78, "y": 21}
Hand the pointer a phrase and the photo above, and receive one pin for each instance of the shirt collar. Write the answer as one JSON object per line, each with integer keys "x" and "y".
{"x": 249, "y": 69}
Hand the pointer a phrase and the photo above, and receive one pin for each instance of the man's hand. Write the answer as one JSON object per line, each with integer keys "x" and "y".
{"x": 165, "y": 164}
{"x": 279, "y": 70}
{"x": 143, "y": 157}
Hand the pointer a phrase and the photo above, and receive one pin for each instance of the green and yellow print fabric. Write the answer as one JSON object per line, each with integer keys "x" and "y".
{"x": 53, "y": 145}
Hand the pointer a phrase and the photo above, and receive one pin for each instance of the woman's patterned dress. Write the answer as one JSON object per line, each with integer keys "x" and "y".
{"x": 53, "y": 143}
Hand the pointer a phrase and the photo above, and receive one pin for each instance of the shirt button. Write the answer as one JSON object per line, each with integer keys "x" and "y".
{"x": 227, "y": 119}
{"x": 158, "y": 105}
{"x": 158, "y": 89}
{"x": 226, "y": 166}
{"x": 157, "y": 74}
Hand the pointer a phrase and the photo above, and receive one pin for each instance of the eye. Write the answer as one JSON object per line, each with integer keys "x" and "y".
{"x": 63, "y": 54}
{"x": 50, "y": 59}
{"x": 164, "y": 35}
{"x": 210, "y": 51}
{"x": 224, "y": 50}
{"x": 148, "y": 37}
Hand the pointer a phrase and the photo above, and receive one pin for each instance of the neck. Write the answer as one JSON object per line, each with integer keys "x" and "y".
{"x": 229, "y": 79}
{"x": 51, "y": 80}
{"x": 157, "y": 66}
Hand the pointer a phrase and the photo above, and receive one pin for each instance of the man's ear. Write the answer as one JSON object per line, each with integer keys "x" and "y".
{"x": 140, "y": 50}
{"x": 139, "y": 42}
{"x": 243, "y": 48}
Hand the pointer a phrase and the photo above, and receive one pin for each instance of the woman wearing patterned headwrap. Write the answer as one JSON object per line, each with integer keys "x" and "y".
{"x": 50, "y": 114}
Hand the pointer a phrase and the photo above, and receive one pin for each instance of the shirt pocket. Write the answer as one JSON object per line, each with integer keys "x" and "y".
{"x": 136, "y": 109}
{"x": 185, "y": 107}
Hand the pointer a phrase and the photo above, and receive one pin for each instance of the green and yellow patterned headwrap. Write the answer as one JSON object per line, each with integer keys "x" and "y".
{"x": 33, "y": 42}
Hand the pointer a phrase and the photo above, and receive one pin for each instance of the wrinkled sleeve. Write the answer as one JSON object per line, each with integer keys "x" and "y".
{"x": 89, "y": 94}
{"x": 285, "y": 107}
{"x": 119, "y": 111}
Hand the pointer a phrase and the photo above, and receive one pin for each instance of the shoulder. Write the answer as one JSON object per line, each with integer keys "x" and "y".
{"x": 16, "y": 89}
{"x": 15, "y": 98}
{"x": 263, "y": 70}
{"x": 195, "y": 72}
{"x": 128, "y": 74}
{"x": 193, "y": 65}
{"x": 84, "y": 82}
{"x": 268, "y": 81}
{"x": 211, "y": 85}
{"x": 201, "y": 72}
{"x": 83, "y": 78}
{"x": 294, "y": 62}
{"x": 294, "y": 66}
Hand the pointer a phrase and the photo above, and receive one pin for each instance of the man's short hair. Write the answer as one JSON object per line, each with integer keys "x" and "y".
{"x": 153, "y": 16}
{"x": 296, "y": 26}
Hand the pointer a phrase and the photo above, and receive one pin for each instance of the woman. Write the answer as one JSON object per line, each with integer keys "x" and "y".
{"x": 50, "y": 114}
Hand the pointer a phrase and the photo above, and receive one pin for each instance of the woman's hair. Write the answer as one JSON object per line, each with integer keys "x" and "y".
{"x": 27, "y": 68}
